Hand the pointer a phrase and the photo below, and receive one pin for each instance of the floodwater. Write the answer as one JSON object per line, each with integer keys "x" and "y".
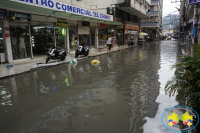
{"x": 123, "y": 94}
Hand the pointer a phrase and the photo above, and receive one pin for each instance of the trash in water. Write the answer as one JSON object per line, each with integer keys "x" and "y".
{"x": 95, "y": 62}
{"x": 73, "y": 62}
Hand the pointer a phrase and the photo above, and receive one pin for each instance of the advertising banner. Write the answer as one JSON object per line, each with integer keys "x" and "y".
{"x": 3, "y": 15}
{"x": 64, "y": 7}
{"x": 62, "y": 23}
{"x": 14, "y": 16}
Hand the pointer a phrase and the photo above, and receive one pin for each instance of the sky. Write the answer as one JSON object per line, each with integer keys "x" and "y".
{"x": 169, "y": 7}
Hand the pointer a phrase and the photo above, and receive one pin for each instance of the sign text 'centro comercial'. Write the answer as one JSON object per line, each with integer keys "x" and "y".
{"x": 60, "y": 6}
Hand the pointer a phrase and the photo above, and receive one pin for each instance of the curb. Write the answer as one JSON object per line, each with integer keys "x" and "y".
{"x": 57, "y": 63}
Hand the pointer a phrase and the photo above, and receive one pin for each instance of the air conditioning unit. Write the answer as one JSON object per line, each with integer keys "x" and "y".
{"x": 111, "y": 10}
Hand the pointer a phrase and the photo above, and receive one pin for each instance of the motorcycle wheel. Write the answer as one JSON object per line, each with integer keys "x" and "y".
{"x": 86, "y": 53}
{"x": 47, "y": 60}
{"x": 63, "y": 57}
{"x": 76, "y": 55}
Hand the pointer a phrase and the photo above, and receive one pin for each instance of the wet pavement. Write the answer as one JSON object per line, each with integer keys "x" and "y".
{"x": 123, "y": 94}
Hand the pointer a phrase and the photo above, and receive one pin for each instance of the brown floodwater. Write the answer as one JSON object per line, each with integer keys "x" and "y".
{"x": 123, "y": 94}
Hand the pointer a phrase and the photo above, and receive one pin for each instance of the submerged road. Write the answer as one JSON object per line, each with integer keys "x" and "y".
{"x": 123, "y": 94}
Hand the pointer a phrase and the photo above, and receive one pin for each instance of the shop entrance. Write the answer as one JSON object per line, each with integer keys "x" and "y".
{"x": 60, "y": 34}
{"x": 20, "y": 41}
{"x": 92, "y": 36}
{"x": 43, "y": 37}
{"x": 84, "y": 40}
{"x": 2, "y": 49}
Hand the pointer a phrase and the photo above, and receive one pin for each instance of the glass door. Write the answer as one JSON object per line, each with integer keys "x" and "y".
{"x": 1, "y": 38}
{"x": 20, "y": 41}
{"x": 60, "y": 34}
{"x": 92, "y": 34}
{"x": 42, "y": 39}
{"x": 84, "y": 40}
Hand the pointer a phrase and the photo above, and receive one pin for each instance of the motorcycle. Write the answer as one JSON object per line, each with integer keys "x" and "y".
{"x": 56, "y": 53}
{"x": 82, "y": 50}
{"x": 131, "y": 43}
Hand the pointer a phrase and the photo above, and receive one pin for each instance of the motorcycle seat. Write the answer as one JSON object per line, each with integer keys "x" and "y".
{"x": 60, "y": 49}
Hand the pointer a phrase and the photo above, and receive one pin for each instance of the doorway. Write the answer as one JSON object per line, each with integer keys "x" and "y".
{"x": 84, "y": 40}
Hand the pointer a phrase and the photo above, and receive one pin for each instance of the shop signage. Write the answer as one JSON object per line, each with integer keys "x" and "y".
{"x": 102, "y": 25}
{"x": 116, "y": 19}
{"x": 85, "y": 23}
{"x": 14, "y": 16}
{"x": 62, "y": 23}
{"x": 6, "y": 28}
{"x": 3, "y": 15}
{"x": 60, "y": 6}
{"x": 194, "y": 2}
{"x": 128, "y": 27}
{"x": 5, "y": 35}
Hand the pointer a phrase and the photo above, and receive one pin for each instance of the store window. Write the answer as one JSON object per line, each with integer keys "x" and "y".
{"x": 60, "y": 37}
{"x": 20, "y": 41}
{"x": 42, "y": 39}
{"x": 104, "y": 33}
{"x": 1, "y": 38}
{"x": 84, "y": 40}
{"x": 73, "y": 33}
{"x": 92, "y": 34}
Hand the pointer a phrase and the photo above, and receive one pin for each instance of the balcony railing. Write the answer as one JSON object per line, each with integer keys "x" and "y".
{"x": 154, "y": 1}
{"x": 150, "y": 24}
{"x": 154, "y": 13}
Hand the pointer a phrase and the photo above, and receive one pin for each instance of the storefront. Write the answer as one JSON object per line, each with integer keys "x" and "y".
{"x": 84, "y": 33}
{"x": 130, "y": 32}
{"x": 2, "y": 44}
{"x": 31, "y": 32}
{"x": 31, "y": 35}
{"x": 106, "y": 30}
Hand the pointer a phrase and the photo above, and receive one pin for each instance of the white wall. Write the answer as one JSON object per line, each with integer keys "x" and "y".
{"x": 149, "y": 1}
{"x": 98, "y": 5}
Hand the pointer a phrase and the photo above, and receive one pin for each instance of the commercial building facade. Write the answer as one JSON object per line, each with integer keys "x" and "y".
{"x": 153, "y": 24}
{"x": 29, "y": 27}
{"x": 128, "y": 12}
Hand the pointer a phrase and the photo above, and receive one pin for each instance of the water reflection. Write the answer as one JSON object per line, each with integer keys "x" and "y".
{"x": 121, "y": 94}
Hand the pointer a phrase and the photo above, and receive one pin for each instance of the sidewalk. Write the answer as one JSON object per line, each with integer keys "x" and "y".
{"x": 39, "y": 62}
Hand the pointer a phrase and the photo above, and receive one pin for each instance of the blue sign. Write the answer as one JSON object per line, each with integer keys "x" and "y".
{"x": 1, "y": 35}
{"x": 3, "y": 14}
{"x": 63, "y": 7}
{"x": 194, "y": 2}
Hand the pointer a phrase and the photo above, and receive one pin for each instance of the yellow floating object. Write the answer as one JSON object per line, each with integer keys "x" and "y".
{"x": 95, "y": 62}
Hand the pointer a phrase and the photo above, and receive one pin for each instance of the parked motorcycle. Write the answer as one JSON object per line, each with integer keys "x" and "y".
{"x": 131, "y": 42}
{"x": 56, "y": 53}
{"x": 82, "y": 50}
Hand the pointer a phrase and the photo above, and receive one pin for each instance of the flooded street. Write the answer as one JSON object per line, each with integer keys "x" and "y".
{"x": 123, "y": 94}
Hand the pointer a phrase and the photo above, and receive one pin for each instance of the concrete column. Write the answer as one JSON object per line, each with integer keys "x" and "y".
{"x": 67, "y": 36}
{"x": 8, "y": 46}
{"x": 55, "y": 35}
{"x": 96, "y": 37}
{"x": 30, "y": 37}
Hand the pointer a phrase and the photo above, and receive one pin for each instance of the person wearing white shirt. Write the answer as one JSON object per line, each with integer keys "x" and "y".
{"x": 109, "y": 43}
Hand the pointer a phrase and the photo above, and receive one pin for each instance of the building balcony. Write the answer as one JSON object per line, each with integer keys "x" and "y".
{"x": 133, "y": 7}
{"x": 150, "y": 24}
{"x": 154, "y": 1}
{"x": 154, "y": 13}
